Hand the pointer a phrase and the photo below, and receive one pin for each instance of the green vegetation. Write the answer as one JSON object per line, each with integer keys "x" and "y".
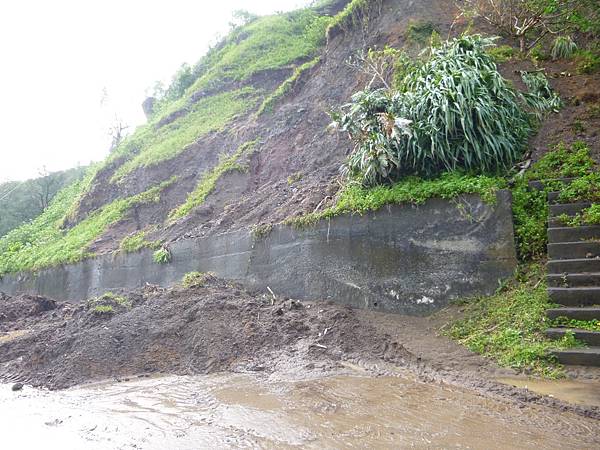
{"x": 509, "y": 326}
{"x": 209, "y": 114}
{"x": 42, "y": 243}
{"x": 137, "y": 241}
{"x": 454, "y": 112}
{"x": 208, "y": 181}
{"x": 502, "y": 53}
{"x": 355, "y": 13}
{"x": 355, "y": 198}
{"x": 162, "y": 256}
{"x": 588, "y": 61}
{"x": 289, "y": 84}
{"x": 585, "y": 188}
{"x": 588, "y": 216}
{"x": 294, "y": 178}
{"x": 565, "y": 322}
{"x": 563, "y": 47}
{"x": 530, "y": 207}
{"x": 419, "y": 32}
{"x": 107, "y": 303}
{"x": 195, "y": 279}
{"x": 262, "y": 231}
{"x": 103, "y": 310}
{"x": 22, "y": 201}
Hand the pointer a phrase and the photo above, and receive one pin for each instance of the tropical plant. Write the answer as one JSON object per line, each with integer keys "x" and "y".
{"x": 563, "y": 47}
{"x": 453, "y": 112}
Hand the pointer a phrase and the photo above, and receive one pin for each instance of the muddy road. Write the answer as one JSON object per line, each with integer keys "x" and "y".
{"x": 325, "y": 375}
{"x": 347, "y": 410}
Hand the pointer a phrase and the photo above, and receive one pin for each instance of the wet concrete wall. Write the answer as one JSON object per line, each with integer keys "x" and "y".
{"x": 403, "y": 258}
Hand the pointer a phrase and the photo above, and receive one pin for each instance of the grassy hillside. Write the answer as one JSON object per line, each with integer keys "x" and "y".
{"x": 22, "y": 201}
{"x": 216, "y": 91}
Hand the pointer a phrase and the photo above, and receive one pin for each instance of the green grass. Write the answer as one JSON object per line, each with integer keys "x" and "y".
{"x": 355, "y": 13}
{"x": 502, "y": 53}
{"x": 419, "y": 32}
{"x": 102, "y": 310}
{"x": 42, "y": 243}
{"x": 209, "y": 179}
{"x": 530, "y": 207}
{"x": 588, "y": 61}
{"x": 269, "y": 102}
{"x": 107, "y": 302}
{"x": 209, "y": 114}
{"x": 137, "y": 241}
{"x": 162, "y": 256}
{"x": 565, "y": 322}
{"x": 195, "y": 279}
{"x": 509, "y": 326}
{"x": 357, "y": 199}
{"x": 268, "y": 43}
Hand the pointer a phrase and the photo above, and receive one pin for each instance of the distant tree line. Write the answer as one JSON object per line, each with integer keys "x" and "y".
{"x": 21, "y": 201}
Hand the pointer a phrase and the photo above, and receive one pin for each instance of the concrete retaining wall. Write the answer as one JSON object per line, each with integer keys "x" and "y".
{"x": 406, "y": 259}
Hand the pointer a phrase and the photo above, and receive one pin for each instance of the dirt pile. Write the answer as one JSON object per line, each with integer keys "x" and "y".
{"x": 219, "y": 327}
{"x": 213, "y": 328}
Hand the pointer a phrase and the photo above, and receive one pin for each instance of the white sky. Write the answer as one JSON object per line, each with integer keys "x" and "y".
{"x": 57, "y": 56}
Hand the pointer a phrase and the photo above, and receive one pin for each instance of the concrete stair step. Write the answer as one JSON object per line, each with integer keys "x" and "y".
{"x": 589, "y": 313}
{"x": 580, "y": 265}
{"x": 574, "y": 250}
{"x": 539, "y": 185}
{"x": 579, "y": 356}
{"x": 570, "y": 209}
{"x": 573, "y": 234}
{"x": 555, "y": 222}
{"x": 578, "y": 296}
{"x": 553, "y": 196}
{"x": 591, "y": 338}
{"x": 573, "y": 279}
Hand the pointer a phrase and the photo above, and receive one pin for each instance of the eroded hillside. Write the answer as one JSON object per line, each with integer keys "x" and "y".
{"x": 246, "y": 144}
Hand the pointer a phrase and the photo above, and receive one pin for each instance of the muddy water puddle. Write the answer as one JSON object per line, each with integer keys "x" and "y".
{"x": 245, "y": 411}
{"x": 578, "y": 392}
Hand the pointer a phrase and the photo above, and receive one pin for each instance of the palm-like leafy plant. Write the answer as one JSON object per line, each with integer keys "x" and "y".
{"x": 455, "y": 112}
{"x": 563, "y": 47}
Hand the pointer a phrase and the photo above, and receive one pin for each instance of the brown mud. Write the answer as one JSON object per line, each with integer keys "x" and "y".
{"x": 222, "y": 328}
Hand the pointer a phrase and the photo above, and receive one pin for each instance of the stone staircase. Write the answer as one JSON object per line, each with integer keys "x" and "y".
{"x": 574, "y": 280}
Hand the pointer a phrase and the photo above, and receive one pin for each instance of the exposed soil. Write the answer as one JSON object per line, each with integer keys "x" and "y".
{"x": 220, "y": 327}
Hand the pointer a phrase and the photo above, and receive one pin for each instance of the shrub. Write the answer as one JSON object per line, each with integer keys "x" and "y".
{"x": 419, "y": 32}
{"x": 563, "y": 47}
{"x": 501, "y": 53}
{"x": 455, "y": 112}
{"x": 162, "y": 256}
{"x": 588, "y": 61}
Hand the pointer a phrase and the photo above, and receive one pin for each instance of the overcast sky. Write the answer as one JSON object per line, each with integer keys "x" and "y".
{"x": 59, "y": 56}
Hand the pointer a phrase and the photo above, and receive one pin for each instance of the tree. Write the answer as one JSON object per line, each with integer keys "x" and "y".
{"x": 46, "y": 186}
{"x": 527, "y": 21}
{"x": 117, "y": 133}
